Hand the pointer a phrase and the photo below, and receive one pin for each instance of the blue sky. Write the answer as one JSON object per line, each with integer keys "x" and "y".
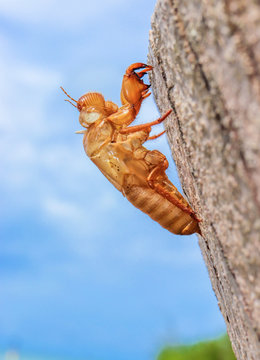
{"x": 82, "y": 272}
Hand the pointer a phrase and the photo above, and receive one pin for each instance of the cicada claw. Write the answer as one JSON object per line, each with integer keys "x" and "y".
{"x": 136, "y": 66}
{"x": 134, "y": 90}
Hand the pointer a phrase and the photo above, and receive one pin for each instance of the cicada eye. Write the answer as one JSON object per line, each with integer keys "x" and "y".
{"x": 87, "y": 117}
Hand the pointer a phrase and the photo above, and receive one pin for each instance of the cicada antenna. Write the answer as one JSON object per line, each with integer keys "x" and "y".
{"x": 69, "y": 97}
{"x": 71, "y": 103}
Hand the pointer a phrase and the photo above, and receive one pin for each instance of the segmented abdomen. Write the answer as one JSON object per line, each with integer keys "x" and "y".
{"x": 161, "y": 210}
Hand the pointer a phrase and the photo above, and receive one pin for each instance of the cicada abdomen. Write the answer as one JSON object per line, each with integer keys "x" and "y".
{"x": 167, "y": 214}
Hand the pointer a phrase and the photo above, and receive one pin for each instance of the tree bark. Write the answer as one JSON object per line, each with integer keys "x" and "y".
{"x": 206, "y": 58}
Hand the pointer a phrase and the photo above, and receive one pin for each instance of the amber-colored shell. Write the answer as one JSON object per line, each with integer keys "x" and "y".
{"x": 117, "y": 150}
{"x": 93, "y": 100}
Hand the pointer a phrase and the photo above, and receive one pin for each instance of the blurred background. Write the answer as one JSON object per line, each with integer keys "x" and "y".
{"x": 83, "y": 274}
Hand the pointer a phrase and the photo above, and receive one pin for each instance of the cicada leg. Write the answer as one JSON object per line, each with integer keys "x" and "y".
{"x": 156, "y": 136}
{"x": 158, "y": 180}
{"x": 132, "y": 129}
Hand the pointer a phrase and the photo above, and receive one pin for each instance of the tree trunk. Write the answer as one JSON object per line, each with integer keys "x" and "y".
{"x": 206, "y": 58}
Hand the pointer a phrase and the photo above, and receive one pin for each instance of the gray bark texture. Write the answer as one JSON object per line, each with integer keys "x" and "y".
{"x": 206, "y": 58}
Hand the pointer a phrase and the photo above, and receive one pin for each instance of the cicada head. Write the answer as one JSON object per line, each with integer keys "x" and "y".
{"x": 134, "y": 90}
{"x": 92, "y": 107}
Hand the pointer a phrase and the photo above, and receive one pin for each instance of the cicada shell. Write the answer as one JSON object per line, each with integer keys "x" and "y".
{"x": 117, "y": 150}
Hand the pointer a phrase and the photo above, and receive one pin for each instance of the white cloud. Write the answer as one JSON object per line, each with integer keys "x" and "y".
{"x": 78, "y": 213}
{"x": 106, "y": 202}
{"x": 38, "y": 77}
{"x": 24, "y": 93}
{"x": 57, "y": 208}
{"x": 56, "y": 13}
{"x": 23, "y": 97}
{"x": 30, "y": 155}
{"x": 143, "y": 249}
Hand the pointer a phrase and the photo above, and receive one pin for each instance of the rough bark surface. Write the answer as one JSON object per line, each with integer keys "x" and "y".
{"x": 206, "y": 58}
